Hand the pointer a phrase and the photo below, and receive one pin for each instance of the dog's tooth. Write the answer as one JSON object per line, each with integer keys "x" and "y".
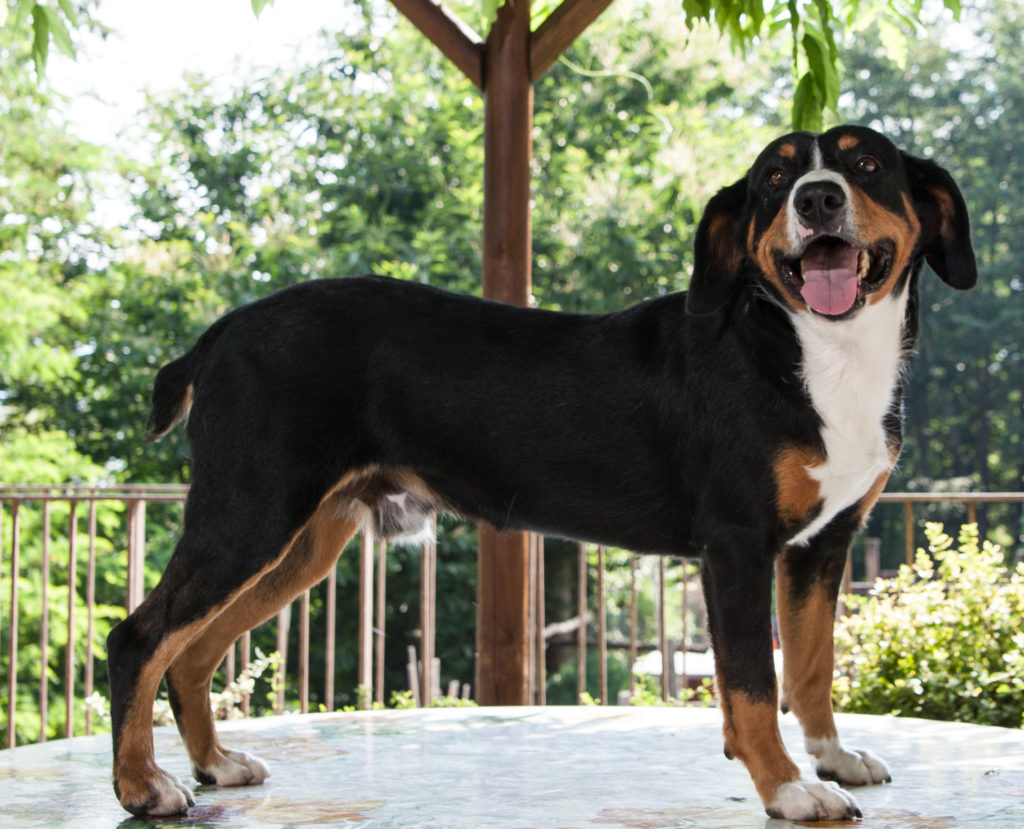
{"x": 863, "y": 265}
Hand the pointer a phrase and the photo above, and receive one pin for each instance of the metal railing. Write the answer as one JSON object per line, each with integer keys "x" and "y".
{"x": 971, "y": 499}
{"x": 129, "y": 503}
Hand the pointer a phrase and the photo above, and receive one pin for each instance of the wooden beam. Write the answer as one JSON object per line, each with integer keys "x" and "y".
{"x": 503, "y": 607}
{"x": 442, "y": 27}
{"x": 508, "y": 124}
{"x": 556, "y": 34}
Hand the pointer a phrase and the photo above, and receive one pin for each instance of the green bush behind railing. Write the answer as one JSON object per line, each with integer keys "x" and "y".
{"x": 942, "y": 640}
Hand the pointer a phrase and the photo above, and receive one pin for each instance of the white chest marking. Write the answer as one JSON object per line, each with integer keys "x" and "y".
{"x": 850, "y": 369}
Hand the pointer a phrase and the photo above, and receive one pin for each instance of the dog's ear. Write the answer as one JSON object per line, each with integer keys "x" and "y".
{"x": 945, "y": 226}
{"x": 718, "y": 251}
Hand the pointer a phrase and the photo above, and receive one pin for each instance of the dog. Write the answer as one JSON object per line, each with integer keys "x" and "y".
{"x": 751, "y": 422}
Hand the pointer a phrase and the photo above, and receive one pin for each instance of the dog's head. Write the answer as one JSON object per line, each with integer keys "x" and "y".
{"x": 831, "y": 223}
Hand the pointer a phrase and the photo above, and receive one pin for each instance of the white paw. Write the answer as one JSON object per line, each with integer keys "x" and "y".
{"x": 167, "y": 796}
{"x": 854, "y": 768}
{"x": 802, "y": 801}
{"x": 234, "y": 768}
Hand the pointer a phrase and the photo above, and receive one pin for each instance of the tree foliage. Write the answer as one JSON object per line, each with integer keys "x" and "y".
{"x": 368, "y": 158}
{"x": 814, "y": 28}
{"x": 960, "y": 100}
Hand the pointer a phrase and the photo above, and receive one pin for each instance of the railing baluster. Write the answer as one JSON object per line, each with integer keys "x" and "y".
{"x": 69, "y": 654}
{"x": 304, "y": 652}
{"x": 667, "y": 662}
{"x": 365, "y": 623}
{"x": 541, "y": 648}
{"x": 90, "y": 604}
{"x": 634, "y": 631}
{"x": 581, "y": 613}
{"x": 381, "y": 576}
{"x": 245, "y": 647}
{"x": 44, "y": 627}
{"x": 602, "y": 630}
{"x": 12, "y": 640}
{"x": 428, "y": 587}
{"x": 135, "y": 499}
{"x": 332, "y": 610}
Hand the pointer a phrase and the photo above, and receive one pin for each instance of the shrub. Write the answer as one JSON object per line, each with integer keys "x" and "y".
{"x": 941, "y": 640}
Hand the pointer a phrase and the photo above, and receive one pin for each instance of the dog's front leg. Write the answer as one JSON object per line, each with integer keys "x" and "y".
{"x": 807, "y": 588}
{"x": 738, "y": 593}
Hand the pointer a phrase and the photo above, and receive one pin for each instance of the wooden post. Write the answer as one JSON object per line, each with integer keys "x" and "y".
{"x": 504, "y": 67}
{"x": 502, "y": 623}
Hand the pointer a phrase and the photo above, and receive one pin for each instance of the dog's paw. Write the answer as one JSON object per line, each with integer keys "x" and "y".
{"x": 233, "y": 768}
{"x": 802, "y": 801}
{"x": 162, "y": 795}
{"x": 853, "y": 768}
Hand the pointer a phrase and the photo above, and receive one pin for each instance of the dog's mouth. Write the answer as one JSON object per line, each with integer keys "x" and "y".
{"x": 832, "y": 276}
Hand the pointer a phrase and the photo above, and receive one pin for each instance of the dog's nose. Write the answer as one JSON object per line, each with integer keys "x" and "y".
{"x": 819, "y": 204}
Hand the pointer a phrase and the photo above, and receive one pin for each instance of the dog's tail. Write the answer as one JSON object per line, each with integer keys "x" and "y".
{"x": 174, "y": 385}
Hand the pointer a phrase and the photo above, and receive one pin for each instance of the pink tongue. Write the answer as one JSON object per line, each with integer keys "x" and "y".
{"x": 830, "y": 278}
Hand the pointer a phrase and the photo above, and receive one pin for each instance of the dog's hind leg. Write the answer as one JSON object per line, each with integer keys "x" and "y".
{"x": 807, "y": 587}
{"x": 308, "y": 560}
{"x": 737, "y": 584}
{"x": 227, "y": 545}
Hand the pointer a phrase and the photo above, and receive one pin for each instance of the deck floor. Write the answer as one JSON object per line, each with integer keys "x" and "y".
{"x": 524, "y": 768}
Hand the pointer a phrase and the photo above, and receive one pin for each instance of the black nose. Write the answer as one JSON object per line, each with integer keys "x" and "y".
{"x": 819, "y": 203}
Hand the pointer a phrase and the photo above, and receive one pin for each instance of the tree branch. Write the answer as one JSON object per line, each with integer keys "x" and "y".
{"x": 557, "y": 33}
{"x": 442, "y": 27}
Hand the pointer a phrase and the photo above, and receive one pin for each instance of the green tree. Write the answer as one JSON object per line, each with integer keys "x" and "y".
{"x": 960, "y": 99}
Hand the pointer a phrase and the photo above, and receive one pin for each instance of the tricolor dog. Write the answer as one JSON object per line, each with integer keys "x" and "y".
{"x": 751, "y": 422}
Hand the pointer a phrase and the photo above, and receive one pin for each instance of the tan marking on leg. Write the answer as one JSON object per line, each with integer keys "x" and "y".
{"x": 751, "y": 731}
{"x": 797, "y": 493}
{"x": 805, "y": 632}
{"x": 135, "y": 768}
{"x": 307, "y": 561}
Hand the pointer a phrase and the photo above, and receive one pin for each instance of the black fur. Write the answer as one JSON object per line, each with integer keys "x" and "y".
{"x": 654, "y": 429}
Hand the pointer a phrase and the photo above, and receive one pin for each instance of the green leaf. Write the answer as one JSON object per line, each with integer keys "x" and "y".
{"x": 807, "y": 105}
{"x": 259, "y": 5}
{"x": 40, "y": 39}
{"x": 25, "y": 8}
{"x": 59, "y": 32}
{"x": 69, "y": 11}
{"x": 489, "y": 13}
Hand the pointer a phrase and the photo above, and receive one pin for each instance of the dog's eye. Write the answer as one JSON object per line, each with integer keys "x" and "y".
{"x": 778, "y": 178}
{"x": 867, "y": 164}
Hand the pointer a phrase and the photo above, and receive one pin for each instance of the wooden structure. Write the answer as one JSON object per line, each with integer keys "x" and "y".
{"x": 504, "y": 67}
